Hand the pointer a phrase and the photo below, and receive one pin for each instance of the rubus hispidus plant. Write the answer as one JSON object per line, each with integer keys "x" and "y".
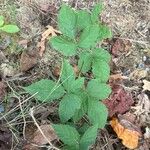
{"x": 81, "y": 31}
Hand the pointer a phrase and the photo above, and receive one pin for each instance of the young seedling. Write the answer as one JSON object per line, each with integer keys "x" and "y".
{"x": 78, "y": 96}
{"x": 9, "y": 28}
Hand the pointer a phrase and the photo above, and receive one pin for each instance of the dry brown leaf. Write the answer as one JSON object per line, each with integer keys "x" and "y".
{"x": 120, "y": 46}
{"x": 50, "y": 31}
{"x": 128, "y": 135}
{"x": 120, "y": 100}
{"x": 27, "y": 61}
{"x": 56, "y": 71}
{"x": 48, "y": 132}
{"x": 146, "y": 85}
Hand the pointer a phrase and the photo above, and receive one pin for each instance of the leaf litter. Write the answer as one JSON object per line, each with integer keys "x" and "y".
{"x": 121, "y": 26}
{"x": 119, "y": 101}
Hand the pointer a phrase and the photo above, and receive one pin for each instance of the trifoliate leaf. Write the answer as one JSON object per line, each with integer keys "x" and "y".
{"x": 88, "y": 137}
{"x": 77, "y": 85}
{"x": 104, "y": 32}
{"x": 101, "y": 54}
{"x": 68, "y": 134}
{"x": 98, "y": 90}
{"x": 95, "y": 12}
{"x": 67, "y": 76}
{"x": 68, "y": 106}
{"x": 64, "y": 46}
{"x": 97, "y": 113}
{"x": 101, "y": 70}
{"x": 1, "y": 20}
{"x": 89, "y": 36}
{"x": 67, "y": 20}
{"x": 83, "y": 110}
{"x": 46, "y": 90}
{"x": 10, "y": 28}
{"x": 85, "y": 62}
{"x": 83, "y": 19}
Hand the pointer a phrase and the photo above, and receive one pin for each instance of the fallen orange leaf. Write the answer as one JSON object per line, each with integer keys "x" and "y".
{"x": 129, "y": 137}
{"x": 50, "y": 31}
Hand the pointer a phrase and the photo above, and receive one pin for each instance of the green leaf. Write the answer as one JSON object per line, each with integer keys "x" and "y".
{"x": 88, "y": 137}
{"x": 10, "y": 28}
{"x": 46, "y": 90}
{"x": 68, "y": 106}
{"x": 77, "y": 85}
{"x": 67, "y": 20}
{"x": 1, "y": 20}
{"x": 89, "y": 36}
{"x": 97, "y": 113}
{"x": 100, "y": 53}
{"x": 83, "y": 19}
{"x": 101, "y": 70}
{"x": 64, "y": 46}
{"x": 83, "y": 110}
{"x": 98, "y": 90}
{"x": 74, "y": 147}
{"x": 95, "y": 12}
{"x": 67, "y": 76}
{"x": 85, "y": 62}
{"x": 105, "y": 32}
{"x": 68, "y": 134}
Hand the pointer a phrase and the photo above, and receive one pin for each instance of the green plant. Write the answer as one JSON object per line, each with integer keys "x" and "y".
{"x": 9, "y": 28}
{"x": 78, "y": 96}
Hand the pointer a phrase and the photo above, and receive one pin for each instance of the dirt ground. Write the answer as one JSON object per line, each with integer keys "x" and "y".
{"x": 20, "y": 66}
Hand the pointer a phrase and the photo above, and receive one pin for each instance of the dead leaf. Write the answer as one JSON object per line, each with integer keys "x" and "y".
{"x": 146, "y": 85}
{"x": 27, "y": 61}
{"x": 56, "y": 71}
{"x": 50, "y": 31}
{"x": 35, "y": 137}
{"x": 128, "y": 135}
{"x": 138, "y": 74}
{"x": 120, "y": 46}
{"x": 119, "y": 101}
{"x": 48, "y": 132}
